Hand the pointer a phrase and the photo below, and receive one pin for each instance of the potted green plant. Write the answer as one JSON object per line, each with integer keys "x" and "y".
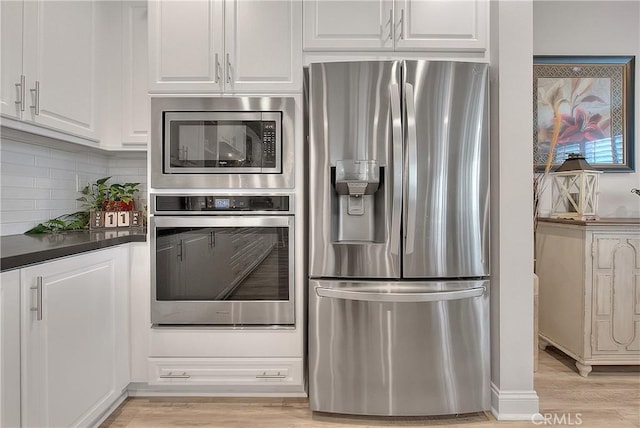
{"x": 100, "y": 196}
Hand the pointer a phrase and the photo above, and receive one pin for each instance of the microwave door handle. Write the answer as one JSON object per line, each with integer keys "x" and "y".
{"x": 396, "y": 141}
{"x": 412, "y": 168}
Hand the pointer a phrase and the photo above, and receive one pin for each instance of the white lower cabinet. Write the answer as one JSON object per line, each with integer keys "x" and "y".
{"x": 10, "y": 349}
{"x": 74, "y": 338}
{"x": 237, "y": 372}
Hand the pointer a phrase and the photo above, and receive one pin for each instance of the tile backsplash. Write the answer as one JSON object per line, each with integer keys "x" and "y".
{"x": 38, "y": 183}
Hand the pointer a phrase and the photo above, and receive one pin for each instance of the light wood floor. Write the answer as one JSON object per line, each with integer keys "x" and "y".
{"x": 609, "y": 397}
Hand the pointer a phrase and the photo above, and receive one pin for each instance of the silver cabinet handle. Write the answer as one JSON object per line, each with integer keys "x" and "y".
{"x": 390, "y": 24}
{"x": 212, "y": 239}
{"x": 366, "y": 296}
{"x": 36, "y": 91}
{"x": 401, "y": 23}
{"x": 21, "y": 92}
{"x": 38, "y": 308}
{"x": 180, "y": 249}
{"x": 184, "y": 375}
{"x": 396, "y": 141}
{"x": 183, "y": 153}
{"x": 411, "y": 168}
{"x": 217, "y": 65}
{"x": 228, "y": 69}
{"x": 264, "y": 375}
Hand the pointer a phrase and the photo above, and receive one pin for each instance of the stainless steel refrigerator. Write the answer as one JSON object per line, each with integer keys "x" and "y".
{"x": 398, "y": 188}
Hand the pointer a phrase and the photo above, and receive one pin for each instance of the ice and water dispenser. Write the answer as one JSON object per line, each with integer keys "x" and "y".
{"x": 356, "y": 183}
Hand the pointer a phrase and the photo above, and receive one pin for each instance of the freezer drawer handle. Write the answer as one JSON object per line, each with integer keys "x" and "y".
{"x": 435, "y": 296}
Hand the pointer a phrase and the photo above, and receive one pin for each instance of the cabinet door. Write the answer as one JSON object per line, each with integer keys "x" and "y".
{"x": 10, "y": 349}
{"x": 135, "y": 86}
{"x": 69, "y": 344}
{"x": 616, "y": 288}
{"x": 11, "y": 13}
{"x": 263, "y": 42}
{"x": 185, "y": 46}
{"x": 59, "y": 63}
{"x": 441, "y": 25}
{"x": 348, "y": 25}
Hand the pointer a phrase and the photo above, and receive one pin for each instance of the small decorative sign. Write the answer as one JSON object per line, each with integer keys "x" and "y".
{"x": 115, "y": 219}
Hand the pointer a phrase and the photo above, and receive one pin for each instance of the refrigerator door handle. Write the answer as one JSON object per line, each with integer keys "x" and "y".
{"x": 412, "y": 168}
{"x": 396, "y": 118}
{"x": 367, "y": 296}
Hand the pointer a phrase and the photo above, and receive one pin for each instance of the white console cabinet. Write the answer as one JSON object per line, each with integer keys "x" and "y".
{"x": 589, "y": 287}
{"x": 65, "y": 339}
{"x": 396, "y": 25}
{"x": 225, "y": 46}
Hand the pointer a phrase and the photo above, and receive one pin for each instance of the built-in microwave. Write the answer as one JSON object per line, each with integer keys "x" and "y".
{"x": 222, "y": 142}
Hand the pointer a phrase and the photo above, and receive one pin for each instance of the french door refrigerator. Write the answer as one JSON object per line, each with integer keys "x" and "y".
{"x": 398, "y": 184}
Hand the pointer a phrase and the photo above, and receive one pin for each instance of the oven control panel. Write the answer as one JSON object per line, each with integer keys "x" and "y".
{"x": 211, "y": 204}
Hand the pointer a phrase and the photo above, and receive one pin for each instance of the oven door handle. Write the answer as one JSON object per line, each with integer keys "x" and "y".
{"x": 221, "y": 221}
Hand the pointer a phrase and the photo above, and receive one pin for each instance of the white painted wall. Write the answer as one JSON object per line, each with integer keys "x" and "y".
{"x": 40, "y": 182}
{"x": 512, "y": 390}
{"x": 588, "y": 27}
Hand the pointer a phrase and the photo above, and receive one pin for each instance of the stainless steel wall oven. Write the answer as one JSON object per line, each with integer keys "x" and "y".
{"x": 222, "y": 142}
{"x": 222, "y": 260}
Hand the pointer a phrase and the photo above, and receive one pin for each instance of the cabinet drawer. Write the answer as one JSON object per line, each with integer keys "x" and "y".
{"x": 225, "y": 371}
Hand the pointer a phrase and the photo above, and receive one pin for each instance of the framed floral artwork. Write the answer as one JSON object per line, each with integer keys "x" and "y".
{"x": 584, "y": 104}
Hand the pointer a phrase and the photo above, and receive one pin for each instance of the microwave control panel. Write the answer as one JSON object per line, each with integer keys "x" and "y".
{"x": 269, "y": 144}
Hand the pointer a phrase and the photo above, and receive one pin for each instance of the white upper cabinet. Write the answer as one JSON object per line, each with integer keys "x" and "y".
{"x": 348, "y": 25}
{"x": 225, "y": 46}
{"x": 186, "y": 46}
{"x": 396, "y": 25}
{"x": 135, "y": 87}
{"x": 65, "y": 65}
{"x": 442, "y": 25}
{"x": 59, "y": 64}
{"x": 12, "y": 90}
{"x": 263, "y": 41}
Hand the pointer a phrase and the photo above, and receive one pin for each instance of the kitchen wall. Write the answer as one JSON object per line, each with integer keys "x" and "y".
{"x": 40, "y": 182}
{"x": 586, "y": 27}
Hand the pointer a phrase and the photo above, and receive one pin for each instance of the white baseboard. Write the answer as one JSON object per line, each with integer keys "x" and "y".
{"x": 104, "y": 415}
{"x": 513, "y": 405}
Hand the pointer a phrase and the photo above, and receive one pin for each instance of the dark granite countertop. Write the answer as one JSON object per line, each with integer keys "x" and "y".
{"x": 17, "y": 251}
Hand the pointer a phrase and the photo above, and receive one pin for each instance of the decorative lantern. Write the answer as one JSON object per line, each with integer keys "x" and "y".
{"x": 575, "y": 187}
